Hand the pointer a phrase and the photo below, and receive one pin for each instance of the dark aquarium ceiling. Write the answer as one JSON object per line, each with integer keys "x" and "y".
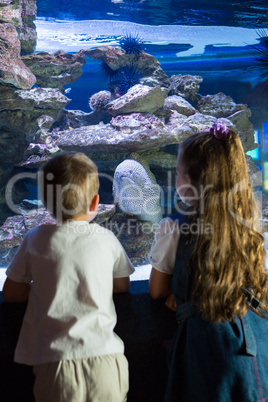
{"x": 158, "y": 12}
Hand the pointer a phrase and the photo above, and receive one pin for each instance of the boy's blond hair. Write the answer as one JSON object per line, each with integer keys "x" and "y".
{"x": 68, "y": 183}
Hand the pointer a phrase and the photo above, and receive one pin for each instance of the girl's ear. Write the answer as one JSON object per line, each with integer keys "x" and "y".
{"x": 94, "y": 203}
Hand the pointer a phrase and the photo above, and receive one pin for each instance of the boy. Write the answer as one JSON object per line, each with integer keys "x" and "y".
{"x": 69, "y": 272}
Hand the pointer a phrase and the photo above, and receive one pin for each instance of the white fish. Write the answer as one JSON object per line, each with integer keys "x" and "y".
{"x": 136, "y": 192}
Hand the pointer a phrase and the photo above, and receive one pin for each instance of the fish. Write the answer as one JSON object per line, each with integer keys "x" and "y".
{"x": 136, "y": 191}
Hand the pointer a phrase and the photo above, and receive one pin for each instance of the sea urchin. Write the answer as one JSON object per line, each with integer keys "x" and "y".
{"x": 127, "y": 77}
{"x": 107, "y": 70}
{"x": 262, "y": 60}
{"x": 132, "y": 44}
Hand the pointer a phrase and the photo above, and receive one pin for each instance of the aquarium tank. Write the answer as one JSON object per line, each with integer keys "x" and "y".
{"x": 125, "y": 82}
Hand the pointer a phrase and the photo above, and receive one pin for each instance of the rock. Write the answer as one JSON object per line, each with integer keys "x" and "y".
{"x": 264, "y": 224}
{"x": 38, "y": 98}
{"x": 27, "y": 33}
{"x": 20, "y": 109}
{"x": 116, "y": 58}
{"x": 176, "y": 118}
{"x": 155, "y": 77}
{"x": 77, "y": 118}
{"x": 244, "y": 128}
{"x": 45, "y": 122}
{"x": 11, "y": 235}
{"x": 113, "y": 56}
{"x": 42, "y": 98}
{"x": 12, "y": 69}
{"x": 254, "y": 172}
{"x": 38, "y": 157}
{"x": 139, "y": 98}
{"x": 99, "y": 100}
{"x": 136, "y": 120}
{"x": 10, "y": 13}
{"x": 186, "y": 86}
{"x": 179, "y": 104}
{"x": 136, "y": 237}
{"x": 158, "y": 159}
{"x": 20, "y": 113}
{"x": 105, "y": 212}
{"x": 182, "y": 127}
{"x": 219, "y": 105}
{"x": 15, "y": 227}
{"x": 54, "y": 71}
{"x": 106, "y": 139}
{"x": 21, "y": 14}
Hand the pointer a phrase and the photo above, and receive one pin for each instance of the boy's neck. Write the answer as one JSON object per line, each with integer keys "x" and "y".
{"x": 82, "y": 218}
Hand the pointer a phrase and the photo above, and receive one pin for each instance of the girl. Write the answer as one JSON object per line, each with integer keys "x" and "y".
{"x": 209, "y": 263}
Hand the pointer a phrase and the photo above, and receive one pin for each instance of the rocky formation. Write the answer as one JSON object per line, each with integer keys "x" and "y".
{"x": 218, "y": 105}
{"x": 135, "y": 236}
{"x": 12, "y": 69}
{"x": 54, "y": 71}
{"x": 185, "y": 85}
{"x": 116, "y": 58}
{"x": 21, "y": 105}
{"x": 139, "y": 98}
{"x": 21, "y": 14}
{"x": 19, "y": 114}
{"x": 99, "y": 101}
{"x": 146, "y": 124}
{"x": 179, "y": 104}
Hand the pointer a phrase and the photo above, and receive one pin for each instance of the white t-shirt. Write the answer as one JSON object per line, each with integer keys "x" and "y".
{"x": 164, "y": 248}
{"x": 70, "y": 312}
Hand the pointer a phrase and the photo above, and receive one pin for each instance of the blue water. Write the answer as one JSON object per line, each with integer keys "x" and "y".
{"x": 159, "y": 12}
{"x": 221, "y": 55}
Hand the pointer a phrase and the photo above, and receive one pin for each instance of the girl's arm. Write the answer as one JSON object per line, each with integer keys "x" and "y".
{"x": 159, "y": 284}
{"x": 121, "y": 285}
{"x": 15, "y": 291}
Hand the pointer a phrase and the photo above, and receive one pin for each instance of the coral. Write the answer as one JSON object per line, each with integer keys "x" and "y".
{"x": 131, "y": 44}
{"x": 127, "y": 77}
{"x": 186, "y": 86}
{"x": 99, "y": 100}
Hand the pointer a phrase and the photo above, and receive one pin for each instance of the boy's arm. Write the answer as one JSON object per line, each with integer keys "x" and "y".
{"x": 159, "y": 284}
{"x": 122, "y": 269}
{"x": 15, "y": 291}
{"x": 121, "y": 285}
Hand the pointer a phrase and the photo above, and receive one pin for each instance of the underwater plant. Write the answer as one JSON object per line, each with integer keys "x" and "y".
{"x": 131, "y": 44}
{"x": 262, "y": 60}
{"x": 127, "y": 77}
{"x": 99, "y": 100}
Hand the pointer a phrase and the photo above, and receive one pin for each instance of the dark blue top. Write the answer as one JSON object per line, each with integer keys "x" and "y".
{"x": 214, "y": 362}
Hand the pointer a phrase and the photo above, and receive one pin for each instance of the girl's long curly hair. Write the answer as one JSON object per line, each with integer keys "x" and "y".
{"x": 231, "y": 258}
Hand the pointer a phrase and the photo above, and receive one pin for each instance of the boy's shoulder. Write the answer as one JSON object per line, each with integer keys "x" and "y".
{"x": 43, "y": 230}
{"x": 103, "y": 231}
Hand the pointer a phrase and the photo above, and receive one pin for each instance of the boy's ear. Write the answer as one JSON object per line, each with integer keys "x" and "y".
{"x": 94, "y": 203}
